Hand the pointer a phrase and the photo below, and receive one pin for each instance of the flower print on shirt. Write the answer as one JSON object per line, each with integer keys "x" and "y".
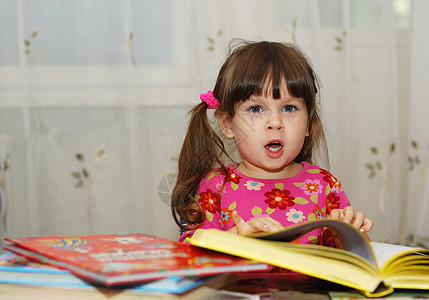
{"x": 226, "y": 213}
{"x": 336, "y": 187}
{"x": 332, "y": 202}
{"x": 210, "y": 201}
{"x": 254, "y": 185}
{"x": 258, "y": 213}
{"x": 262, "y": 204}
{"x": 295, "y": 216}
{"x": 334, "y": 183}
{"x": 279, "y": 199}
{"x": 232, "y": 177}
{"x": 220, "y": 187}
{"x": 318, "y": 213}
{"x": 311, "y": 187}
{"x": 329, "y": 178}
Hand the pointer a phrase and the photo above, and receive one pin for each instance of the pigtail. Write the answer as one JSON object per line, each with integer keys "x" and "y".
{"x": 200, "y": 153}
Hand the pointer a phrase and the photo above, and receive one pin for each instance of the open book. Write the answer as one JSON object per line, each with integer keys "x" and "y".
{"x": 374, "y": 268}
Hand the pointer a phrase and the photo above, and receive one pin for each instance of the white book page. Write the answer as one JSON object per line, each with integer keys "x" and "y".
{"x": 384, "y": 251}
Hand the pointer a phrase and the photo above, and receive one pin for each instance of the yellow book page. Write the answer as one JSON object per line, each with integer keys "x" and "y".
{"x": 387, "y": 254}
{"x": 406, "y": 263}
{"x": 348, "y": 271}
{"x": 409, "y": 281}
{"x": 332, "y": 253}
{"x": 402, "y": 266}
{"x": 349, "y": 237}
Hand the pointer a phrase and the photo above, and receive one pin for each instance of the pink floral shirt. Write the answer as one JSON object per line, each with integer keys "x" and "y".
{"x": 309, "y": 195}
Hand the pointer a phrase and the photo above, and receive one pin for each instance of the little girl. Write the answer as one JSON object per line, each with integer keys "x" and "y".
{"x": 264, "y": 99}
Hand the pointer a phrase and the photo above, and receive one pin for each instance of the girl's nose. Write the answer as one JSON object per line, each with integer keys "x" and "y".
{"x": 274, "y": 122}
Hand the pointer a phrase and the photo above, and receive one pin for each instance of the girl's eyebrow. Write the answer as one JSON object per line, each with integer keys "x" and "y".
{"x": 257, "y": 97}
{"x": 254, "y": 99}
{"x": 297, "y": 99}
{"x": 261, "y": 98}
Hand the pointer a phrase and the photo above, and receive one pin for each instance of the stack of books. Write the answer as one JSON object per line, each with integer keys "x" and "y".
{"x": 140, "y": 262}
{"x": 132, "y": 263}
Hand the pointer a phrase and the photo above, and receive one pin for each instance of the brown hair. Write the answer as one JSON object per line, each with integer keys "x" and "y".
{"x": 251, "y": 68}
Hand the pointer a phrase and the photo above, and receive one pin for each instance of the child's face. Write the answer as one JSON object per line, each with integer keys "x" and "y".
{"x": 269, "y": 134}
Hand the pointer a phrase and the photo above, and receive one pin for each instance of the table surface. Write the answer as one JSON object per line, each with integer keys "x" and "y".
{"x": 256, "y": 286}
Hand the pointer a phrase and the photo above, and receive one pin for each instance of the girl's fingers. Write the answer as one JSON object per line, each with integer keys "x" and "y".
{"x": 242, "y": 227}
{"x": 358, "y": 220}
{"x": 266, "y": 224}
{"x": 246, "y": 228}
{"x": 367, "y": 225}
{"x": 272, "y": 223}
{"x": 349, "y": 216}
{"x": 263, "y": 224}
{"x": 336, "y": 214}
{"x": 237, "y": 218}
{"x": 348, "y": 212}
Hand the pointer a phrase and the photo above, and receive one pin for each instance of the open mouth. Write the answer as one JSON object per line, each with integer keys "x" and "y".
{"x": 274, "y": 146}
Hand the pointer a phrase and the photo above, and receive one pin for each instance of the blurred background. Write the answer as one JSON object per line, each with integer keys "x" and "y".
{"x": 94, "y": 96}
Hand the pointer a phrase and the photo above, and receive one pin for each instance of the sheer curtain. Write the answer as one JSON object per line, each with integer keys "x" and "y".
{"x": 94, "y": 96}
{"x": 418, "y": 181}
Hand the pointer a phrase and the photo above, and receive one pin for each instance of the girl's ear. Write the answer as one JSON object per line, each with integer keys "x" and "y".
{"x": 225, "y": 125}
{"x": 307, "y": 132}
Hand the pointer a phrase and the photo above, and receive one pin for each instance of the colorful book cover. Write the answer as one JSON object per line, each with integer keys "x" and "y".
{"x": 124, "y": 259}
{"x": 17, "y": 269}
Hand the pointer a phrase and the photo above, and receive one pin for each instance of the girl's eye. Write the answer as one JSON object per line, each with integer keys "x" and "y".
{"x": 255, "y": 109}
{"x": 289, "y": 108}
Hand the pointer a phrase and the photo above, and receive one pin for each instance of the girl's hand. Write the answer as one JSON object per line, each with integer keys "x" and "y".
{"x": 262, "y": 224}
{"x": 349, "y": 215}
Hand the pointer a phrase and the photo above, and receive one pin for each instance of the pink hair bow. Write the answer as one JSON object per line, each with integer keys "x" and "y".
{"x": 209, "y": 98}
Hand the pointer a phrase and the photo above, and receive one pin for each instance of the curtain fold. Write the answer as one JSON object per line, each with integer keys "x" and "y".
{"x": 418, "y": 180}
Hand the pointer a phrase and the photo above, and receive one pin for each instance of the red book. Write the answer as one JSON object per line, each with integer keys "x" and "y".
{"x": 124, "y": 259}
